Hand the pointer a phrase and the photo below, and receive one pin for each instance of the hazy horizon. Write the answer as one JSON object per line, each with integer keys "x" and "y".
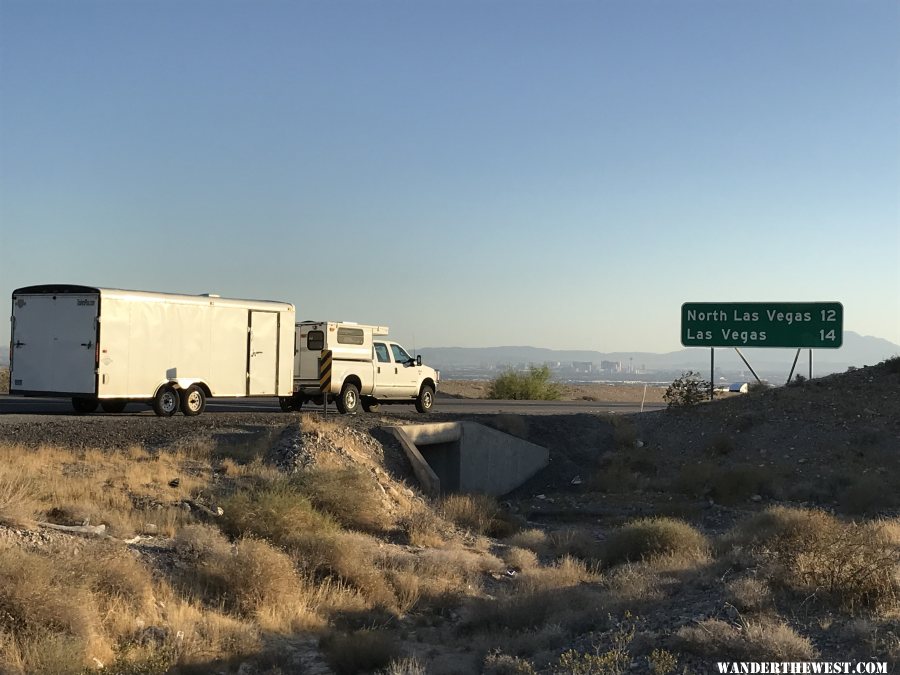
{"x": 467, "y": 173}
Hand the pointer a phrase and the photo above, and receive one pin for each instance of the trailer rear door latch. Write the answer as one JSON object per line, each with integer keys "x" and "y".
{"x": 87, "y": 344}
{"x": 19, "y": 344}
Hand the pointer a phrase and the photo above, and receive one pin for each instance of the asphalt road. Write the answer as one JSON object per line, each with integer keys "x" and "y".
{"x": 15, "y": 405}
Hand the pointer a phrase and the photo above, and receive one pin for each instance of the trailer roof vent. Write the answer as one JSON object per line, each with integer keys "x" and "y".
{"x": 210, "y": 295}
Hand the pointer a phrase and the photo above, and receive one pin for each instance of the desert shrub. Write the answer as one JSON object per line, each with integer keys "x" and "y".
{"x": 613, "y": 661}
{"x": 477, "y": 513}
{"x": 651, "y": 537}
{"x": 277, "y": 511}
{"x": 43, "y": 618}
{"x": 749, "y": 594}
{"x": 408, "y": 666}
{"x": 498, "y": 663}
{"x": 17, "y": 506}
{"x": 687, "y": 390}
{"x": 798, "y": 381}
{"x": 535, "y": 385}
{"x": 349, "y": 494}
{"x": 766, "y": 638}
{"x": 892, "y": 365}
{"x": 811, "y": 553}
{"x": 359, "y": 651}
{"x": 662, "y": 662}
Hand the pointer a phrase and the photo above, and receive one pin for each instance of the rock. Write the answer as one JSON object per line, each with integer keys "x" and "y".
{"x": 756, "y": 498}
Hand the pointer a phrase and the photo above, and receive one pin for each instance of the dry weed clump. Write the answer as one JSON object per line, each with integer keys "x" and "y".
{"x": 41, "y": 615}
{"x": 653, "y": 537}
{"x": 762, "y": 639}
{"x": 749, "y": 594}
{"x": 477, "y": 513}
{"x": 350, "y": 494}
{"x": 853, "y": 565}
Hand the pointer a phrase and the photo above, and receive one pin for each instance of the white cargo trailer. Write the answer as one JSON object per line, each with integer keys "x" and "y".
{"x": 109, "y": 347}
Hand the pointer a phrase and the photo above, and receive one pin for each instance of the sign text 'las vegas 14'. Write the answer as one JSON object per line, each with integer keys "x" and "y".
{"x": 816, "y": 325}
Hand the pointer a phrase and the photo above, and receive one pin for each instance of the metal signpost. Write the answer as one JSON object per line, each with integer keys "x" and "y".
{"x": 800, "y": 325}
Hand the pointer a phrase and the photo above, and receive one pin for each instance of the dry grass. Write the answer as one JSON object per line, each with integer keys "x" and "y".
{"x": 480, "y": 514}
{"x": 654, "y": 537}
{"x": 764, "y": 639}
{"x": 813, "y": 554}
{"x": 127, "y": 490}
{"x": 350, "y": 494}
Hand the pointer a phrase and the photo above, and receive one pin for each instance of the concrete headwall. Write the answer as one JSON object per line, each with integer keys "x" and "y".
{"x": 469, "y": 457}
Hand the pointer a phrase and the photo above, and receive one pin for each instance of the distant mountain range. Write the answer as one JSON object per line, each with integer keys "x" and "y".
{"x": 857, "y": 350}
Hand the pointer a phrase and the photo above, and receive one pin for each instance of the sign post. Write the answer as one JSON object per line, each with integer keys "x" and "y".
{"x": 325, "y": 378}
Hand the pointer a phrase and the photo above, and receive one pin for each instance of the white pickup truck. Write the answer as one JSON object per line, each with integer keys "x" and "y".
{"x": 367, "y": 370}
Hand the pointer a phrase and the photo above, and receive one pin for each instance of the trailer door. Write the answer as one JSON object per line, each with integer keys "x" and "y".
{"x": 263, "y": 367}
{"x": 54, "y": 343}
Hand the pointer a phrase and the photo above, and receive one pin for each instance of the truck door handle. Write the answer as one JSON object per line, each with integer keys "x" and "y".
{"x": 395, "y": 371}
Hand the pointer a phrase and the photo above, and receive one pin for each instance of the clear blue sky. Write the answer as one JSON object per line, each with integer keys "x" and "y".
{"x": 560, "y": 174}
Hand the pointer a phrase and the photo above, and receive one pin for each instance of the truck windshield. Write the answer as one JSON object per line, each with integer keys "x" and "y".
{"x": 400, "y": 355}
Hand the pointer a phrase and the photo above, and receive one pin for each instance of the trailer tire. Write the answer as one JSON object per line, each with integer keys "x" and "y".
{"x": 370, "y": 404}
{"x": 84, "y": 404}
{"x": 348, "y": 402}
{"x": 113, "y": 405}
{"x": 193, "y": 401}
{"x": 167, "y": 401}
{"x": 425, "y": 399}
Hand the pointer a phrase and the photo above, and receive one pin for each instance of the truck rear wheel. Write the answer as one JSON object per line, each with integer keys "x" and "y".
{"x": 193, "y": 401}
{"x": 84, "y": 404}
{"x": 166, "y": 401}
{"x": 113, "y": 405}
{"x": 348, "y": 402}
{"x": 425, "y": 399}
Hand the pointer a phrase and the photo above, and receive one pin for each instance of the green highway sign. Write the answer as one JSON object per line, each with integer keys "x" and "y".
{"x": 816, "y": 325}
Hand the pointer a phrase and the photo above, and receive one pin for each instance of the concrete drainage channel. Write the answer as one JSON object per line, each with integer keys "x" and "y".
{"x": 454, "y": 457}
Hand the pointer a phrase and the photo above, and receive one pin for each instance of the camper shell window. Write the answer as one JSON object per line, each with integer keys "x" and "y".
{"x": 350, "y": 336}
{"x": 315, "y": 340}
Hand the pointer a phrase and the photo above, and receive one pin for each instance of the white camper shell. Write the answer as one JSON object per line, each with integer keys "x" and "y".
{"x": 109, "y": 347}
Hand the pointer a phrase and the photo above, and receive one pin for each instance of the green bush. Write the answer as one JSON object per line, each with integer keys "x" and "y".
{"x": 535, "y": 385}
{"x": 687, "y": 390}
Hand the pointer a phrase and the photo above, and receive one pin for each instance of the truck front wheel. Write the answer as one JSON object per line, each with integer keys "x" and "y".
{"x": 348, "y": 402}
{"x": 425, "y": 399}
{"x": 166, "y": 401}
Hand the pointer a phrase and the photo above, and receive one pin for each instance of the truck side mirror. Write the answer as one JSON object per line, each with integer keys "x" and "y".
{"x": 418, "y": 359}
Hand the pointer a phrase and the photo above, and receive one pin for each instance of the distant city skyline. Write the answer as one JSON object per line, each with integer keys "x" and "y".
{"x": 563, "y": 175}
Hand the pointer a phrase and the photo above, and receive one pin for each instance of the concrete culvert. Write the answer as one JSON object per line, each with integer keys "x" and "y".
{"x": 453, "y": 457}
